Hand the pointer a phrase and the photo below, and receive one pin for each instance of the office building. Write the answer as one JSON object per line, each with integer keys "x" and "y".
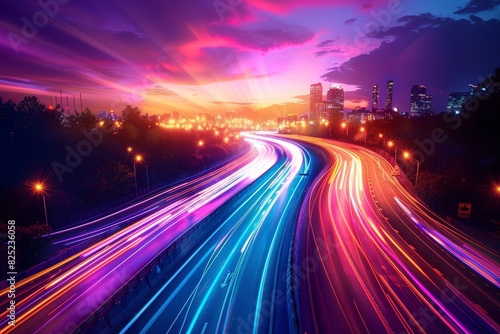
{"x": 315, "y": 100}
{"x": 375, "y": 97}
{"x": 420, "y": 102}
{"x": 456, "y": 101}
{"x": 390, "y": 91}
{"x": 334, "y": 101}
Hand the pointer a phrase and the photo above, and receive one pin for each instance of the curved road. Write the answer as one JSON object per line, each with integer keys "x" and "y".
{"x": 235, "y": 281}
{"x": 59, "y": 298}
{"x": 373, "y": 258}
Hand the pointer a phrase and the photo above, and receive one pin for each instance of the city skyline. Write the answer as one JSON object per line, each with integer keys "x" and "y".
{"x": 215, "y": 56}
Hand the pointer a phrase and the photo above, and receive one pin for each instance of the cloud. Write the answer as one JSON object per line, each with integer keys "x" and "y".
{"x": 475, "y": 19}
{"x": 350, "y": 21}
{"x": 285, "y": 6}
{"x": 303, "y": 98}
{"x": 325, "y": 43}
{"x": 157, "y": 90}
{"x": 273, "y": 35}
{"x": 324, "y": 52}
{"x": 232, "y": 103}
{"x": 326, "y": 47}
{"x": 478, "y": 6}
{"x": 441, "y": 53}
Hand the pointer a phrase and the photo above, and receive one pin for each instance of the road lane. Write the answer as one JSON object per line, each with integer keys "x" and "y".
{"x": 61, "y": 297}
{"x": 235, "y": 282}
{"x": 391, "y": 265}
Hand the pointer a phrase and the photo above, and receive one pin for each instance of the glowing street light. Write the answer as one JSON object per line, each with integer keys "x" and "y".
{"x": 407, "y": 155}
{"x": 391, "y": 144}
{"x": 39, "y": 188}
{"x": 139, "y": 158}
{"x": 344, "y": 126}
{"x": 200, "y": 144}
{"x": 363, "y": 130}
{"x": 381, "y": 136}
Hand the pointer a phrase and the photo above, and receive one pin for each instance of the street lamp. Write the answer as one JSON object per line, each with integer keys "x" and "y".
{"x": 408, "y": 156}
{"x": 363, "y": 130}
{"x": 139, "y": 158}
{"x": 200, "y": 144}
{"x": 39, "y": 188}
{"x": 391, "y": 144}
{"x": 381, "y": 136}
{"x": 344, "y": 126}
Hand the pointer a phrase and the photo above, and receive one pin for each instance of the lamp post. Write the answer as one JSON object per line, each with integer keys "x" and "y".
{"x": 391, "y": 144}
{"x": 363, "y": 130}
{"x": 381, "y": 136}
{"x": 408, "y": 156}
{"x": 199, "y": 144}
{"x": 147, "y": 176}
{"x": 344, "y": 126}
{"x": 137, "y": 158}
{"x": 39, "y": 189}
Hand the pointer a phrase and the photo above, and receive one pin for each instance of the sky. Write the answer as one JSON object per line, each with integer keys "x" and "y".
{"x": 213, "y": 56}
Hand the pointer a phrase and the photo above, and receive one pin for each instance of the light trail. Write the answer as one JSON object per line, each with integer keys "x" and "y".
{"x": 393, "y": 264}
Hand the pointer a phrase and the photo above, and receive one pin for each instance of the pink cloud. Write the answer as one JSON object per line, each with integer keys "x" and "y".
{"x": 285, "y": 6}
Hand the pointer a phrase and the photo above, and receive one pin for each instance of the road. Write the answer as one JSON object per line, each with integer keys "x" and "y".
{"x": 236, "y": 280}
{"x": 366, "y": 255}
{"x": 373, "y": 258}
{"x": 61, "y": 297}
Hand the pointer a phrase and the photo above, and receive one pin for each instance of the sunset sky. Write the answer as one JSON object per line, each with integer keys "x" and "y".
{"x": 198, "y": 56}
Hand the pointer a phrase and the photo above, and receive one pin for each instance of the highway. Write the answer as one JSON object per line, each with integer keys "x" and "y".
{"x": 61, "y": 297}
{"x": 236, "y": 280}
{"x": 365, "y": 255}
{"x": 372, "y": 258}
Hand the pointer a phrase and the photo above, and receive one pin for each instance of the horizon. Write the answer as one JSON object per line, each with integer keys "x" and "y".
{"x": 244, "y": 56}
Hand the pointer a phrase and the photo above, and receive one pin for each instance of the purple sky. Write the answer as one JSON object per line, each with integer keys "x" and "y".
{"x": 217, "y": 55}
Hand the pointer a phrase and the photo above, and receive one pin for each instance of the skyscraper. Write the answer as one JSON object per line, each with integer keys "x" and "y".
{"x": 375, "y": 96}
{"x": 420, "y": 102}
{"x": 334, "y": 101}
{"x": 388, "y": 100}
{"x": 315, "y": 98}
{"x": 456, "y": 101}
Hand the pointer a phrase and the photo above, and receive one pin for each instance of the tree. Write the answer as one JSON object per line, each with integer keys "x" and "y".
{"x": 82, "y": 121}
{"x": 114, "y": 178}
{"x": 31, "y": 106}
{"x": 131, "y": 114}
